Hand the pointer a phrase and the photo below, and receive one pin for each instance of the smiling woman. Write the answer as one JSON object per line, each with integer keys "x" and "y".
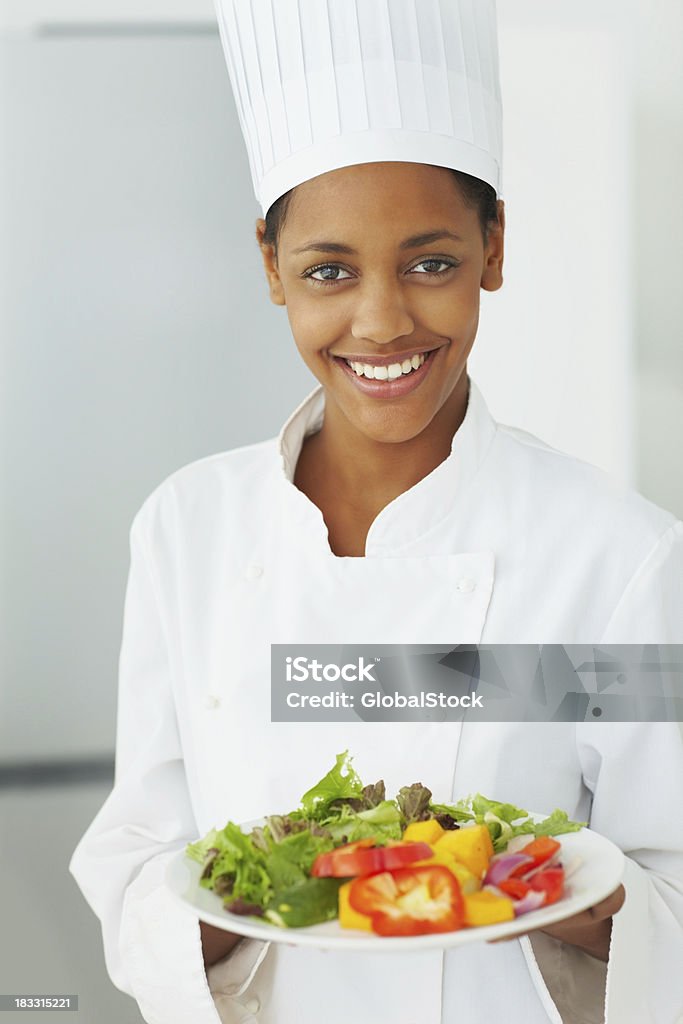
{"x": 390, "y": 509}
{"x": 387, "y": 332}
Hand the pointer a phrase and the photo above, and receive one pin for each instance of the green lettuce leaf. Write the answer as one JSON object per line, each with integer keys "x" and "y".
{"x": 458, "y": 811}
{"x": 290, "y": 860}
{"x": 481, "y": 806}
{"x": 380, "y": 823}
{"x": 505, "y": 821}
{"x": 199, "y": 849}
{"x": 557, "y": 824}
{"x": 238, "y": 869}
{"x": 310, "y": 902}
{"x": 341, "y": 782}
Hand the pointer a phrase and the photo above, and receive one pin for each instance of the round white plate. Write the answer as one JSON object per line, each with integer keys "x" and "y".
{"x": 599, "y": 874}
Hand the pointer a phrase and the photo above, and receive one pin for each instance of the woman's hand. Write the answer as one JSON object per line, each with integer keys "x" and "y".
{"x": 216, "y": 943}
{"x": 590, "y": 930}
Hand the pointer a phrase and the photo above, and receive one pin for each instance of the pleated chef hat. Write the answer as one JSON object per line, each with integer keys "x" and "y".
{"x": 321, "y": 84}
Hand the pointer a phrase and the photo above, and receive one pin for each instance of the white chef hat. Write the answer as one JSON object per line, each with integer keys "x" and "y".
{"x": 321, "y": 84}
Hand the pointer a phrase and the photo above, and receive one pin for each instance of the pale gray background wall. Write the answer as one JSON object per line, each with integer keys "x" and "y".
{"x": 658, "y": 167}
{"x": 135, "y": 336}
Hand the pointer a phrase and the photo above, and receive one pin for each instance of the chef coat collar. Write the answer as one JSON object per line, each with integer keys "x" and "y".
{"x": 417, "y": 510}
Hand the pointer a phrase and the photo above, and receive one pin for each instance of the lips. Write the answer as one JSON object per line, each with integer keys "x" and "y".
{"x": 387, "y": 389}
{"x": 383, "y": 372}
{"x": 395, "y": 357}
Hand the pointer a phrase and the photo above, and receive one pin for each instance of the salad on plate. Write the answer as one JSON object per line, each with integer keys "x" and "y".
{"x": 394, "y": 867}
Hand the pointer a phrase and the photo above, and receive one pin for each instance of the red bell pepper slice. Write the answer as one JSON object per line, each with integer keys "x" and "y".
{"x": 551, "y": 882}
{"x": 364, "y": 858}
{"x": 399, "y": 855}
{"x": 410, "y": 901}
{"x": 541, "y": 850}
{"x": 515, "y": 888}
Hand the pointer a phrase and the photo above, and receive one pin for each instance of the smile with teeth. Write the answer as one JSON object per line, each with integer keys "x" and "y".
{"x": 391, "y": 372}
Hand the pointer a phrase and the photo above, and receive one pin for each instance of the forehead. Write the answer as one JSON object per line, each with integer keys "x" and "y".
{"x": 395, "y": 196}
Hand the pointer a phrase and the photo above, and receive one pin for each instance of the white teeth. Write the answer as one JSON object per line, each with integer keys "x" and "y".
{"x": 391, "y": 372}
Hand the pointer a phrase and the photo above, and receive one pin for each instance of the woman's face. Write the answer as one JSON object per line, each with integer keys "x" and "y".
{"x": 379, "y": 264}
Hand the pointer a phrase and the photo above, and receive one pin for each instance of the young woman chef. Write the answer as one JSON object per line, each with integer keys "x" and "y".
{"x": 390, "y": 509}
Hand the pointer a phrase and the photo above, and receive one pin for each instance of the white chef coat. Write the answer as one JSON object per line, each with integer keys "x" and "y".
{"x": 506, "y": 541}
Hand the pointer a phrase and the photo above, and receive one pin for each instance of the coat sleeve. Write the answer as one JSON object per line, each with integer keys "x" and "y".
{"x": 635, "y": 771}
{"x": 650, "y": 610}
{"x": 152, "y": 944}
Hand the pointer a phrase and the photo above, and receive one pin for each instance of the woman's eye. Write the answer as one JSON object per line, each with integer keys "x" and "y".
{"x": 433, "y": 264}
{"x": 329, "y": 272}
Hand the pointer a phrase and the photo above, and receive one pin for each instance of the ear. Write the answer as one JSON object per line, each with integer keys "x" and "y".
{"x": 277, "y": 292}
{"x": 492, "y": 274}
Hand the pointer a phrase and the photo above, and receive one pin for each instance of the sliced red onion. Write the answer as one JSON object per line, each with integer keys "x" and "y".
{"x": 503, "y": 864}
{"x": 532, "y": 901}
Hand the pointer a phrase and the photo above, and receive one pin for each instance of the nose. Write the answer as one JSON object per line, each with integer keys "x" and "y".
{"x": 380, "y": 314}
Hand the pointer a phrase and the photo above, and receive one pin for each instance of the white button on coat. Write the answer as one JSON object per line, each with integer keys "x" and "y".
{"x": 253, "y": 1005}
{"x": 253, "y": 572}
{"x": 466, "y": 586}
{"x": 211, "y": 702}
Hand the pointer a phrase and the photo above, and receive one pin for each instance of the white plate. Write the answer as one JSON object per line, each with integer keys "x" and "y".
{"x": 599, "y": 874}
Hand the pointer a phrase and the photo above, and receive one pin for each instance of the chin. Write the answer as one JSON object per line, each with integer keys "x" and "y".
{"x": 392, "y": 427}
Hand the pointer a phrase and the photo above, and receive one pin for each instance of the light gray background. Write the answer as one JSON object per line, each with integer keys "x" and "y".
{"x": 136, "y": 336}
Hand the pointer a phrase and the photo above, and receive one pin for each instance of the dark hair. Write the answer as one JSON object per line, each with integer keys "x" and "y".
{"x": 476, "y": 194}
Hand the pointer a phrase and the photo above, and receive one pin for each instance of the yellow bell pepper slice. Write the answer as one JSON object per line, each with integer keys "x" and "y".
{"x": 348, "y": 917}
{"x": 470, "y": 846}
{"x": 486, "y": 908}
{"x": 467, "y": 881}
{"x": 424, "y": 832}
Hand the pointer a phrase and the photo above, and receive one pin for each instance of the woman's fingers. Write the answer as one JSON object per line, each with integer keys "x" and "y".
{"x": 606, "y": 908}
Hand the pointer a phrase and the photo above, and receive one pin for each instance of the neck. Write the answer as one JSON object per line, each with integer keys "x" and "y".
{"x": 368, "y": 474}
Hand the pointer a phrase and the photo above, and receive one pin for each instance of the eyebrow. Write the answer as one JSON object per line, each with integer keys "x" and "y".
{"x": 408, "y": 243}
